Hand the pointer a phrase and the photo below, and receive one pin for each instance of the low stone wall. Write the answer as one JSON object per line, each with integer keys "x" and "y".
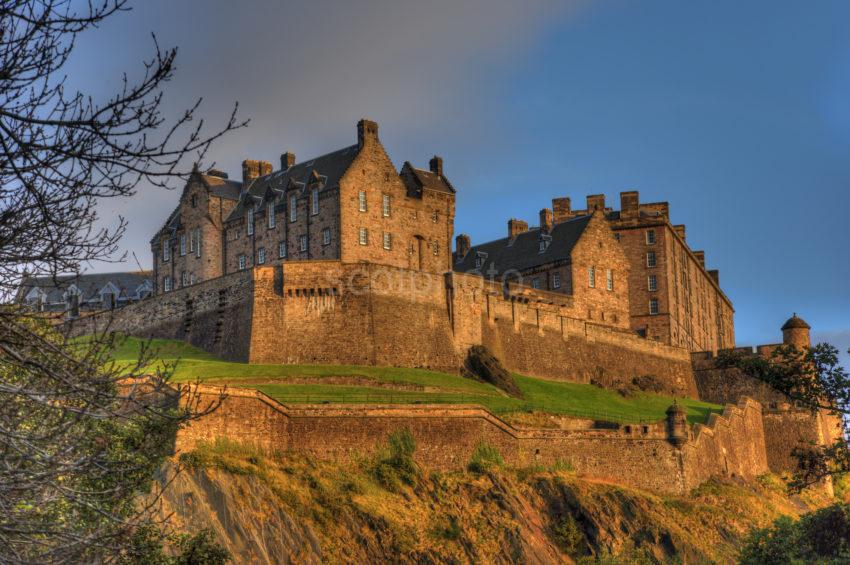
{"x": 447, "y": 436}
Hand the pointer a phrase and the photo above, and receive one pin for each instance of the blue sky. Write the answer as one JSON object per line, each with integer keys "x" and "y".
{"x": 736, "y": 113}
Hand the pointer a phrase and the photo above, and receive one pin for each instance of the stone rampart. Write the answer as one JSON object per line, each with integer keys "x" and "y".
{"x": 447, "y": 435}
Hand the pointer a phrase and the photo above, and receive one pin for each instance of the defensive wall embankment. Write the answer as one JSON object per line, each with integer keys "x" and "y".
{"x": 329, "y": 312}
{"x": 730, "y": 444}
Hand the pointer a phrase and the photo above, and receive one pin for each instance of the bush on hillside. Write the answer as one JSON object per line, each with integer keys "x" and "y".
{"x": 483, "y": 366}
{"x": 485, "y": 458}
{"x": 819, "y": 537}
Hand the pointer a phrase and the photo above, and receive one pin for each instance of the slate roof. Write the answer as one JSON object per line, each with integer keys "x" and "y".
{"x": 89, "y": 285}
{"x": 523, "y": 252}
{"x": 223, "y": 188}
{"x": 330, "y": 168}
{"x": 428, "y": 180}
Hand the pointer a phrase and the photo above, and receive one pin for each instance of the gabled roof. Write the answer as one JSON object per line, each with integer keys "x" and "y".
{"x": 523, "y": 252}
{"x": 329, "y": 168}
{"x": 89, "y": 285}
{"x": 427, "y": 180}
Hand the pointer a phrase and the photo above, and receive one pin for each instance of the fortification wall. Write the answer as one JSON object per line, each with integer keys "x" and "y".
{"x": 447, "y": 436}
{"x": 214, "y": 315}
{"x": 723, "y": 386}
{"x": 730, "y": 444}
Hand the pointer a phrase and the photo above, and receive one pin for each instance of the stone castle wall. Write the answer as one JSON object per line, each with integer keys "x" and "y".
{"x": 447, "y": 436}
{"x": 330, "y": 312}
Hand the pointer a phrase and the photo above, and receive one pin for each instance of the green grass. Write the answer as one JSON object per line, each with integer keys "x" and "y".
{"x": 539, "y": 395}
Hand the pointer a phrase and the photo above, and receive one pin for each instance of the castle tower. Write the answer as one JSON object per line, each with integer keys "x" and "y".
{"x": 796, "y": 332}
{"x": 677, "y": 424}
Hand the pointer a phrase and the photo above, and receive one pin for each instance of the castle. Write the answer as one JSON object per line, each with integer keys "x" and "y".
{"x": 342, "y": 259}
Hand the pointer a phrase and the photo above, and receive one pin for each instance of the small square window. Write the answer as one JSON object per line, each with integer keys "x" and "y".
{"x": 302, "y": 243}
{"x": 361, "y": 200}
{"x": 650, "y": 237}
{"x": 591, "y": 277}
{"x": 261, "y": 255}
{"x": 363, "y": 236}
{"x": 650, "y": 259}
{"x": 281, "y": 249}
{"x": 385, "y": 205}
{"x": 388, "y": 240}
{"x": 556, "y": 280}
{"x": 617, "y": 236}
{"x": 326, "y": 236}
{"x": 653, "y": 307}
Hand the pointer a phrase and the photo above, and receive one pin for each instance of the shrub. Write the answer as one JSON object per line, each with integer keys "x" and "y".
{"x": 449, "y": 530}
{"x": 484, "y": 458}
{"x": 568, "y": 534}
{"x": 818, "y": 537}
{"x": 394, "y": 464}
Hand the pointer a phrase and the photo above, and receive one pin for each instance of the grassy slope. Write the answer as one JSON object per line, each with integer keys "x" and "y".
{"x": 539, "y": 395}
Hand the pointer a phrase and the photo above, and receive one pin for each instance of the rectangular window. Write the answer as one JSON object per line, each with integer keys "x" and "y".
{"x": 385, "y": 206}
{"x": 192, "y": 241}
{"x": 326, "y": 236}
{"x": 361, "y": 200}
{"x": 478, "y": 262}
{"x": 653, "y": 307}
{"x": 364, "y": 236}
{"x": 556, "y": 280}
{"x": 314, "y": 201}
{"x": 388, "y": 240}
{"x": 293, "y": 211}
{"x": 650, "y": 237}
{"x": 198, "y": 242}
{"x": 191, "y": 278}
{"x": 182, "y": 244}
{"x": 250, "y": 221}
{"x": 261, "y": 255}
{"x": 650, "y": 259}
{"x": 243, "y": 262}
{"x": 435, "y": 216}
{"x": 535, "y": 282}
{"x": 609, "y": 279}
{"x": 591, "y": 277}
{"x": 436, "y": 248}
{"x": 166, "y": 284}
{"x": 166, "y": 250}
{"x": 281, "y": 249}
{"x": 652, "y": 282}
{"x": 270, "y": 212}
{"x": 302, "y": 243}
{"x": 184, "y": 278}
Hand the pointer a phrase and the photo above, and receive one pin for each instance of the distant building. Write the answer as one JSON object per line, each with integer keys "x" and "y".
{"x": 73, "y": 294}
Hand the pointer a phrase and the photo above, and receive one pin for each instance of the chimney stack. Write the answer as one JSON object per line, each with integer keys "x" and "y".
{"x": 561, "y": 209}
{"x": 462, "y": 245}
{"x": 367, "y": 131}
{"x": 700, "y": 255}
{"x": 595, "y": 202}
{"x": 436, "y": 165}
{"x": 252, "y": 169}
{"x": 516, "y": 227}
{"x": 629, "y": 204}
{"x": 547, "y": 220}
{"x": 715, "y": 274}
{"x": 287, "y": 160}
{"x": 680, "y": 229}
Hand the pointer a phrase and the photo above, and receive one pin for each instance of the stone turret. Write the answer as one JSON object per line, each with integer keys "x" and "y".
{"x": 677, "y": 424}
{"x": 796, "y": 332}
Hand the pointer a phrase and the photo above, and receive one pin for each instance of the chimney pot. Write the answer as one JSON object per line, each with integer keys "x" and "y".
{"x": 595, "y": 202}
{"x": 462, "y": 245}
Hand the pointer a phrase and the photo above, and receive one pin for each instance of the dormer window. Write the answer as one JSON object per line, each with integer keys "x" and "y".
{"x": 545, "y": 240}
{"x": 480, "y": 259}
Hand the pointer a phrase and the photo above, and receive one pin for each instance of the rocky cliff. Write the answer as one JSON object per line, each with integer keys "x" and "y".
{"x": 273, "y": 508}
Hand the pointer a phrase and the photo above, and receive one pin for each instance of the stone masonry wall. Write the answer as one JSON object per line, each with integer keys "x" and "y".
{"x": 447, "y": 436}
